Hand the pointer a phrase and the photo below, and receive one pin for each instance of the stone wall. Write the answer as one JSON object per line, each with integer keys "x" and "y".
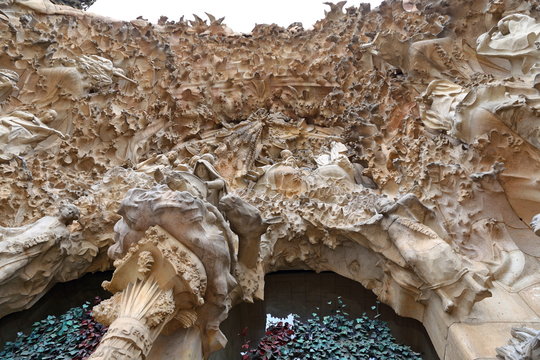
{"x": 397, "y": 147}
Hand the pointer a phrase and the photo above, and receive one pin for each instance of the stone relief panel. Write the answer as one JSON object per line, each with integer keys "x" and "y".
{"x": 396, "y": 146}
{"x": 37, "y": 255}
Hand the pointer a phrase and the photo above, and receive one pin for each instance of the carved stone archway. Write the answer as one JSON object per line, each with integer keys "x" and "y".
{"x": 396, "y": 148}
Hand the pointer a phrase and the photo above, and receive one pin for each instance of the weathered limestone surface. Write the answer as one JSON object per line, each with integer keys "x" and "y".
{"x": 398, "y": 147}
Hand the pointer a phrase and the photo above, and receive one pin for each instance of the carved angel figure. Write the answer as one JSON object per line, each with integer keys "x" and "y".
{"x": 21, "y": 131}
{"x": 100, "y": 69}
{"x": 204, "y": 169}
{"x": 78, "y": 76}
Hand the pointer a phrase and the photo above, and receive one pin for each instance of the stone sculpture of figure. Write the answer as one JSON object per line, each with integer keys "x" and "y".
{"x": 21, "y": 131}
{"x": 160, "y": 162}
{"x": 151, "y": 165}
{"x": 362, "y": 179}
{"x": 203, "y": 182}
{"x": 431, "y": 258}
{"x": 206, "y": 183}
{"x": 469, "y": 113}
{"x": 8, "y": 83}
{"x": 283, "y": 177}
{"x": 78, "y": 77}
{"x": 201, "y": 228}
{"x": 31, "y": 257}
{"x": 525, "y": 345}
{"x": 217, "y": 186}
{"x": 101, "y": 70}
{"x": 335, "y": 165}
{"x": 182, "y": 210}
{"x": 515, "y": 37}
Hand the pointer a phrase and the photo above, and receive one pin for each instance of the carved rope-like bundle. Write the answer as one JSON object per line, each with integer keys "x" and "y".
{"x": 130, "y": 336}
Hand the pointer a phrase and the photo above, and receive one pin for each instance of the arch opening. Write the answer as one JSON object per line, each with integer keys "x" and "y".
{"x": 301, "y": 292}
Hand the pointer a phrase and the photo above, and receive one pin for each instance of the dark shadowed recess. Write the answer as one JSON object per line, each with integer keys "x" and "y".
{"x": 57, "y": 301}
{"x": 298, "y": 292}
{"x": 301, "y": 292}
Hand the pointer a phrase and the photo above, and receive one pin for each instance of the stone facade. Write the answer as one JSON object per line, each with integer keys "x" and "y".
{"x": 398, "y": 147}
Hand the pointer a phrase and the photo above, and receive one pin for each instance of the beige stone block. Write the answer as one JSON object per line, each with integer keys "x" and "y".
{"x": 437, "y": 322}
{"x": 502, "y": 306}
{"x": 531, "y": 296}
{"x": 479, "y": 341}
{"x": 509, "y": 309}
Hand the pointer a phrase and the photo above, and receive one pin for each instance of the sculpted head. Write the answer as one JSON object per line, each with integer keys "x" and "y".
{"x": 229, "y": 202}
{"x": 124, "y": 237}
{"x": 49, "y": 116}
{"x": 68, "y": 213}
{"x": 138, "y": 213}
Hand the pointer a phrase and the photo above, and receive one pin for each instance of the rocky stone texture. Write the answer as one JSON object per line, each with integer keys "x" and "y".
{"x": 397, "y": 147}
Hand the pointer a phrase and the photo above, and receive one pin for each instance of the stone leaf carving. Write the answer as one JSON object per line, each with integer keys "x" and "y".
{"x": 469, "y": 113}
{"x": 131, "y": 334}
{"x": 433, "y": 102}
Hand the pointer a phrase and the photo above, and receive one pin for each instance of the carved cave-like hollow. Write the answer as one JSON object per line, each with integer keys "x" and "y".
{"x": 297, "y": 292}
{"x": 301, "y": 292}
{"x": 60, "y": 298}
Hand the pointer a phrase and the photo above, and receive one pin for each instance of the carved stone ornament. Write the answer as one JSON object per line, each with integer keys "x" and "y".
{"x": 525, "y": 345}
{"x": 397, "y": 146}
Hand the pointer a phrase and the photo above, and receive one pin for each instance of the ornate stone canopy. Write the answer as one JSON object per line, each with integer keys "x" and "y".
{"x": 397, "y": 146}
